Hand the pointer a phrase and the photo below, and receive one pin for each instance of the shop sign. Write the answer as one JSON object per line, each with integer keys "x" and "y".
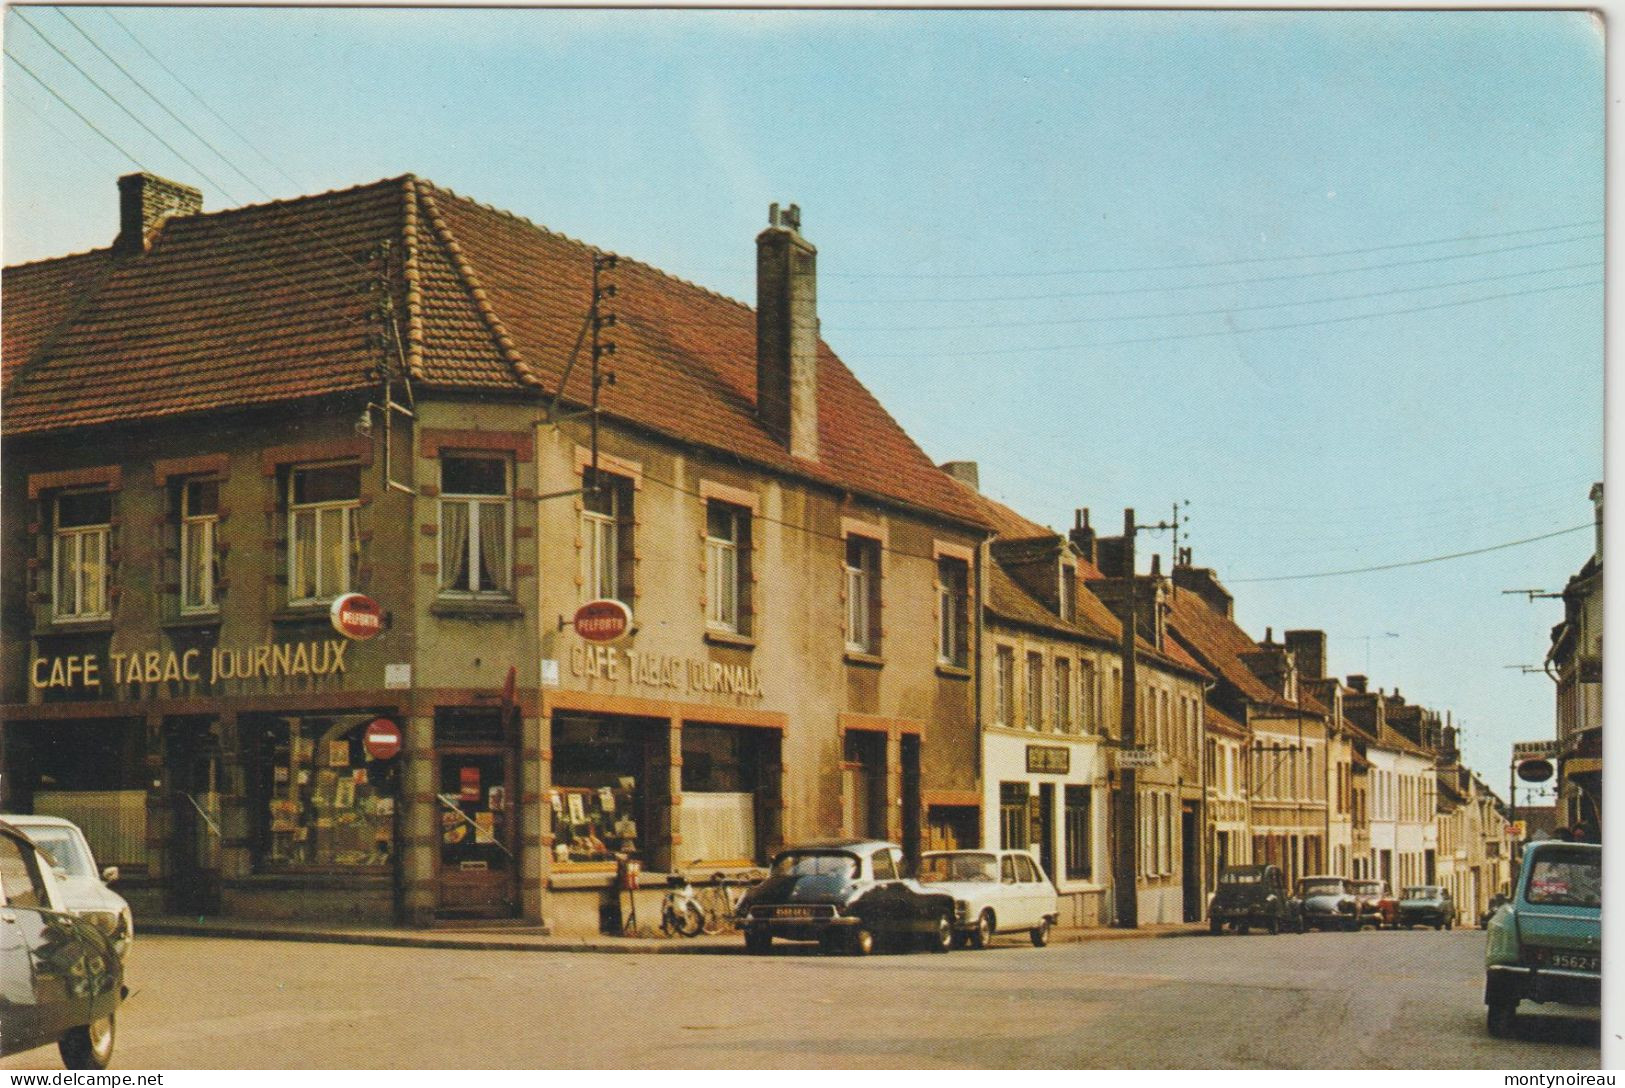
{"x": 689, "y": 674}
{"x": 382, "y": 739}
{"x": 1048, "y": 759}
{"x": 1135, "y": 757}
{"x": 1517, "y": 829}
{"x": 1535, "y": 770}
{"x": 603, "y": 620}
{"x": 270, "y": 661}
{"x": 1533, "y": 749}
{"x": 357, "y": 616}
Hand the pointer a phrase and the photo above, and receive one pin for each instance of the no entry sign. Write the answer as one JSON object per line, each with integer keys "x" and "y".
{"x": 357, "y": 616}
{"x": 382, "y": 740}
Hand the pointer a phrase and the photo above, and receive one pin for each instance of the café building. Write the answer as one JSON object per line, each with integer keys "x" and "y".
{"x": 378, "y": 555}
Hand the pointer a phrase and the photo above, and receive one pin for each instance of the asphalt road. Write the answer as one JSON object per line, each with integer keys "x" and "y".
{"x": 1375, "y": 1000}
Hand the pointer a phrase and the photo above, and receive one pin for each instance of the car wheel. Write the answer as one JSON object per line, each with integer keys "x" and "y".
{"x": 1274, "y": 926}
{"x": 1303, "y": 926}
{"x": 89, "y": 1046}
{"x": 1501, "y": 1018}
{"x": 758, "y": 942}
{"x": 862, "y": 941}
{"x": 1215, "y": 926}
{"x": 942, "y": 938}
{"x": 1040, "y": 934}
{"x": 1450, "y": 923}
{"x": 982, "y": 935}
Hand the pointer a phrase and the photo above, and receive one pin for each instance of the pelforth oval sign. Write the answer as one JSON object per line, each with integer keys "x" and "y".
{"x": 603, "y": 620}
{"x": 357, "y": 616}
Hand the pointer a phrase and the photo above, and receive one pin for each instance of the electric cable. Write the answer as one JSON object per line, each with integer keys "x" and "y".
{"x": 1411, "y": 562}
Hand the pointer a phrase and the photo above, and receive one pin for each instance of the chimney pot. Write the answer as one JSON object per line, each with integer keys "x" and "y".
{"x": 146, "y": 201}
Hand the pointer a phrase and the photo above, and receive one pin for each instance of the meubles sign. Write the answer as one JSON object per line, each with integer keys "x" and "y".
{"x": 323, "y": 658}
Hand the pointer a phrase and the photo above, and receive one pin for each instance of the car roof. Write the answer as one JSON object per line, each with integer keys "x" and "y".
{"x": 969, "y": 850}
{"x": 1323, "y": 876}
{"x": 21, "y": 820}
{"x": 855, "y": 846}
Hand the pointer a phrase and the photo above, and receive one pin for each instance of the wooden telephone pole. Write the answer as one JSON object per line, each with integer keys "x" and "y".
{"x": 1124, "y": 807}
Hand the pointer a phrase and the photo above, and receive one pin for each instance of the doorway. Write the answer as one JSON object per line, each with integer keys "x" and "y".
{"x": 192, "y": 772}
{"x": 1191, "y": 863}
{"x": 1042, "y": 827}
{"x": 474, "y": 804}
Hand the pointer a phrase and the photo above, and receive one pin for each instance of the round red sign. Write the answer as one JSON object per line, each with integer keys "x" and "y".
{"x": 357, "y": 616}
{"x": 382, "y": 740}
{"x": 603, "y": 620}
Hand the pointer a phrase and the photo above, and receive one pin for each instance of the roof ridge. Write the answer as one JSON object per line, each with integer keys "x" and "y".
{"x": 621, "y": 257}
{"x": 107, "y": 249}
{"x": 523, "y": 371}
{"x": 409, "y": 272}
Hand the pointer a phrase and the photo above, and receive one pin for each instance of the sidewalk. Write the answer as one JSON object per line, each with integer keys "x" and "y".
{"x": 519, "y": 939}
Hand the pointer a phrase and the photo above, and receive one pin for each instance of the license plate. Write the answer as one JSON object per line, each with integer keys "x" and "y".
{"x": 1577, "y": 961}
{"x": 793, "y": 912}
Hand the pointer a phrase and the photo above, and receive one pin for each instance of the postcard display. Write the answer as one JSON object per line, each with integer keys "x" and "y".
{"x": 328, "y": 807}
{"x": 593, "y": 823}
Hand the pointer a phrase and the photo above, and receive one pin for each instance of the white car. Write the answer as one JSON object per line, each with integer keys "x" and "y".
{"x": 82, "y": 890}
{"x": 995, "y": 891}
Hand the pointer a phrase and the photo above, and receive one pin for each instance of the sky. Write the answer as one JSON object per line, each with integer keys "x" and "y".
{"x": 1331, "y": 279}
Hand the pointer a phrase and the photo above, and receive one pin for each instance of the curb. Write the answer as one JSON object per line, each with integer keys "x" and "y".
{"x": 612, "y": 945}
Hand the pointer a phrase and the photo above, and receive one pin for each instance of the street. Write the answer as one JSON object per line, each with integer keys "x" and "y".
{"x": 1393, "y": 999}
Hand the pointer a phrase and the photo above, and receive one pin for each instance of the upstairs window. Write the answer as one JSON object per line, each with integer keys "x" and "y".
{"x": 1063, "y": 695}
{"x": 323, "y": 552}
{"x": 1004, "y": 686}
{"x": 606, "y": 537}
{"x": 862, "y": 595}
{"x": 727, "y": 567}
{"x": 80, "y": 556}
{"x": 953, "y": 611}
{"x": 200, "y": 560}
{"x": 1068, "y": 594}
{"x": 1035, "y": 691}
{"x": 476, "y": 525}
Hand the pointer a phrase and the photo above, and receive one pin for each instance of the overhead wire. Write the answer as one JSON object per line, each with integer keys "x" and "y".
{"x": 1411, "y": 562}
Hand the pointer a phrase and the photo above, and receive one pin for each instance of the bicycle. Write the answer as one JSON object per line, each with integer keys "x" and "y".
{"x": 719, "y": 899}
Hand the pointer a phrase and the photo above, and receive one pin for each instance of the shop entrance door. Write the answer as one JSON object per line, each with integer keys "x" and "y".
{"x": 1043, "y": 827}
{"x": 1191, "y": 863}
{"x": 192, "y": 770}
{"x": 474, "y": 804}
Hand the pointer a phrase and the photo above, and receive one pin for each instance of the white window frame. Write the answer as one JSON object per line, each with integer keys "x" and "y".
{"x": 315, "y": 510}
{"x": 1033, "y": 691}
{"x": 68, "y": 554}
{"x": 472, "y": 505}
{"x": 861, "y": 584}
{"x": 722, "y": 568}
{"x": 953, "y": 620}
{"x": 198, "y": 541}
{"x": 1004, "y": 682}
{"x": 601, "y": 539}
{"x": 1063, "y": 694}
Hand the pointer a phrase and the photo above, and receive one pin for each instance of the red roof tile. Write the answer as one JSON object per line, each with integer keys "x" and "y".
{"x": 1219, "y": 643}
{"x": 1220, "y": 722}
{"x": 271, "y": 302}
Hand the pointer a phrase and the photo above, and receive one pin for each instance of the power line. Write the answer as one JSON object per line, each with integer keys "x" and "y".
{"x": 1228, "y": 332}
{"x": 1411, "y": 562}
{"x": 88, "y": 122}
{"x": 1210, "y": 264}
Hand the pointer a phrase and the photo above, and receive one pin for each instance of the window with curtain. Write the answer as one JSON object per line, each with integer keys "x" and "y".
{"x": 953, "y": 611}
{"x": 200, "y": 565}
{"x": 727, "y": 567}
{"x": 1034, "y": 693}
{"x": 1004, "y": 685}
{"x": 323, "y": 552}
{"x": 1063, "y": 695}
{"x": 862, "y": 595}
{"x": 606, "y": 537}
{"x": 476, "y": 525}
{"x": 80, "y": 555}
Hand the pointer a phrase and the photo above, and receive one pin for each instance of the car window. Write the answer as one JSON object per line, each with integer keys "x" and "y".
{"x": 1007, "y": 870}
{"x": 884, "y": 869}
{"x": 827, "y": 863}
{"x": 20, "y": 876}
{"x": 1323, "y": 887}
{"x": 1027, "y": 870}
{"x": 1566, "y": 880}
{"x": 63, "y": 849}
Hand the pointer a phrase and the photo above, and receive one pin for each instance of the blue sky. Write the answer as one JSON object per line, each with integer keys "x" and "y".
{"x": 1054, "y": 243}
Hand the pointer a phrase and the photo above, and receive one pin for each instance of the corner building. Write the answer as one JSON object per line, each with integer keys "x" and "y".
{"x": 223, "y": 422}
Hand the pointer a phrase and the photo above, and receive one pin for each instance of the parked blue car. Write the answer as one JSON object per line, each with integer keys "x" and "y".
{"x": 1546, "y": 944}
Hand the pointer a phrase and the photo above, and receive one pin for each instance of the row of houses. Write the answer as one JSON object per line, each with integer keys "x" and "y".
{"x": 223, "y": 423}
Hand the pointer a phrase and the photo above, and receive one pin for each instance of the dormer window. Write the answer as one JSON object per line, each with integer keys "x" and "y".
{"x": 1068, "y": 596}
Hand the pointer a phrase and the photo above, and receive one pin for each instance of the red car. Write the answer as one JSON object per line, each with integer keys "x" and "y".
{"x": 1375, "y": 904}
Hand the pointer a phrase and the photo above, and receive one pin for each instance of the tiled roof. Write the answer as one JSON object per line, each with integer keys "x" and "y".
{"x": 1009, "y": 601}
{"x": 1393, "y": 738}
{"x": 1220, "y": 722}
{"x": 269, "y": 303}
{"x": 1218, "y": 643}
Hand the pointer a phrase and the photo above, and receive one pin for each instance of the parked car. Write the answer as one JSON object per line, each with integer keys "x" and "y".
{"x": 60, "y": 979}
{"x": 1328, "y": 902}
{"x": 1427, "y": 905}
{"x": 1374, "y": 904}
{"x": 1497, "y": 901}
{"x": 846, "y": 894}
{"x": 995, "y": 891}
{"x": 84, "y": 890}
{"x": 1546, "y": 944}
{"x": 1253, "y": 895}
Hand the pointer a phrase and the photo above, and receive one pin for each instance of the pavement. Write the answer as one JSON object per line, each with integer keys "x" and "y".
{"x": 509, "y": 938}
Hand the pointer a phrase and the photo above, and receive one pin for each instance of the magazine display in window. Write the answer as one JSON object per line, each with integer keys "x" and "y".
{"x": 594, "y": 823}
{"x": 339, "y": 814}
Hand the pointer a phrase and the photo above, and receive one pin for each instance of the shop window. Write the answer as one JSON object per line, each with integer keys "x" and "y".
{"x": 727, "y": 567}
{"x": 1004, "y": 686}
{"x": 721, "y": 774}
{"x": 606, "y": 536}
{"x": 862, "y": 595}
{"x": 1079, "y": 833}
{"x": 1014, "y": 816}
{"x": 476, "y": 525}
{"x": 1063, "y": 695}
{"x": 953, "y": 611}
{"x": 601, "y": 771}
{"x": 1034, "y": 694}
{"x": 200, "y": 558}
{"x": 323, "y": 549}
{"x": 81, "y": 557}
{"x": 318, "y": 800}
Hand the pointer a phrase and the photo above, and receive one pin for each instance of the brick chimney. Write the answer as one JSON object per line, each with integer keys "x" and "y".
{"x": 1357, "y": 683}
{"x": 965, "y": 472}
{"x": 1082, "y": 536}
{"x": 1203, "y": 582}
{"x": 787, "y": 333}
{"x": 1309, "y": 651}
{"x": 145, "y": 202}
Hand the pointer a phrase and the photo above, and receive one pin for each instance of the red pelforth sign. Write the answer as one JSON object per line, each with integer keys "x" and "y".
{"x": 603, "y": 620}
{"x": 357, "y": 616}
{"x": 382, "y": 740}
